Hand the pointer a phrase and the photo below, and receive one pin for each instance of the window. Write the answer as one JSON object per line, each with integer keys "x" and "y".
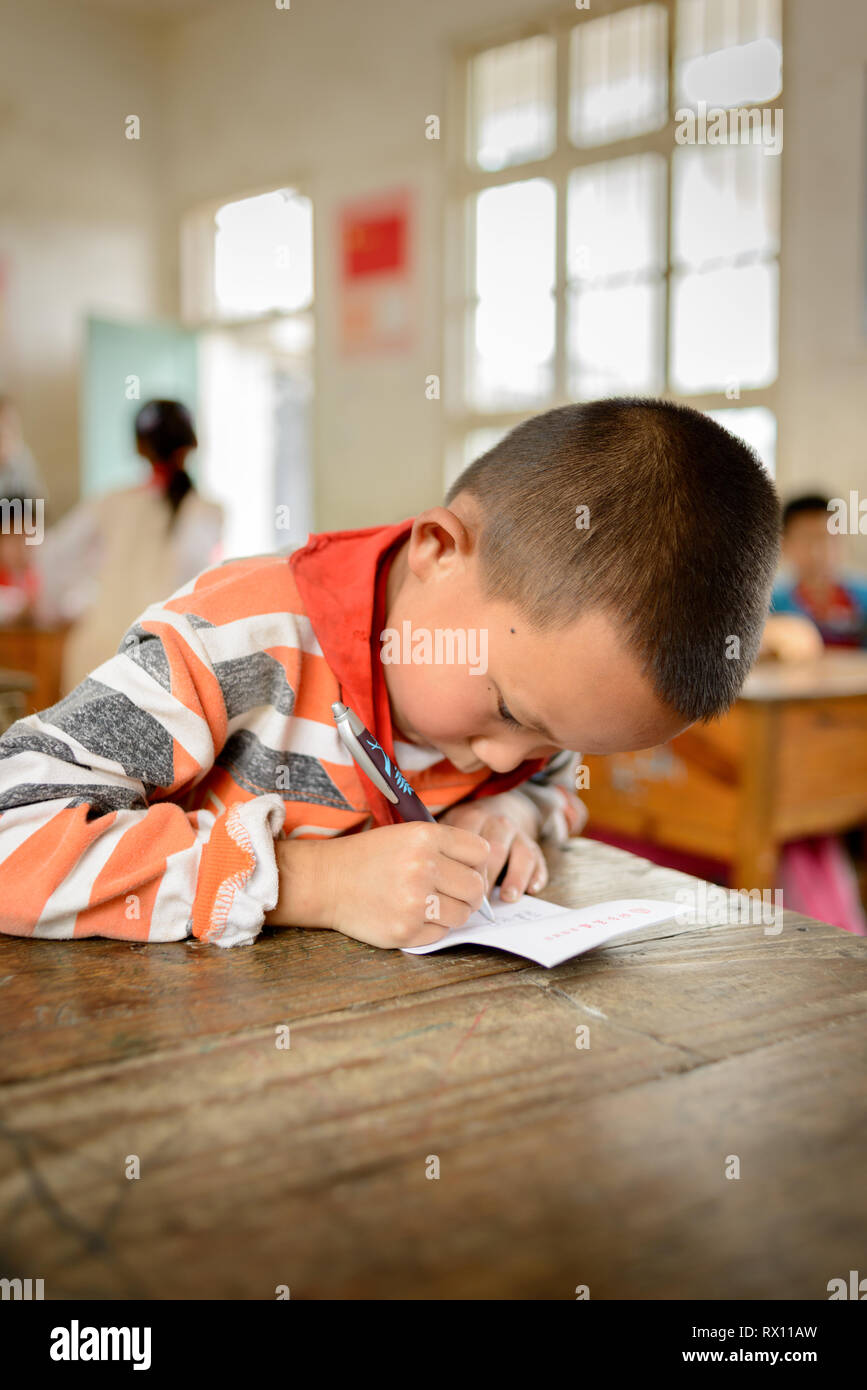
{"x": 616, "y": 197}
{"x": 247, "y": 286}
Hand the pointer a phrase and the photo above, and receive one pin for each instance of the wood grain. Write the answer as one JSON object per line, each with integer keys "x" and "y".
{"x": 560, "y": 1166}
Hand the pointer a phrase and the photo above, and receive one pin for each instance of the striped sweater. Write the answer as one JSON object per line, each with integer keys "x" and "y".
{"x": 146, "y": 803}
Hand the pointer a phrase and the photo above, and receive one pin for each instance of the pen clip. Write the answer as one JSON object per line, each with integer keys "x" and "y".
{"x": 349, "y": 736}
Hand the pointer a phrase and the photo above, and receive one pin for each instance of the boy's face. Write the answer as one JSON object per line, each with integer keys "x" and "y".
{"x": 810, "y": 548}
{"x": 578, "y": 688}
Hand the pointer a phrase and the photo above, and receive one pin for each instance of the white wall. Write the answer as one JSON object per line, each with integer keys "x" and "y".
{"x": 338, "y": 91}
{"x": 80, "y": 220}
{"x": 334, "y": 93}
{"x": 823, "y": 367}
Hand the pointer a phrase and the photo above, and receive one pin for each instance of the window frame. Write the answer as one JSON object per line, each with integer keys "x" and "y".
{"x": 198, "y": 306}
{"x": 463, "y": 181}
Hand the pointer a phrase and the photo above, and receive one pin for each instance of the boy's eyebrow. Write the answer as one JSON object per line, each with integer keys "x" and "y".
{"x": 535, "y": 724}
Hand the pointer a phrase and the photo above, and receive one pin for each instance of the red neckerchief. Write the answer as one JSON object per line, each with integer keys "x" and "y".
{"x": 341, "y": 577}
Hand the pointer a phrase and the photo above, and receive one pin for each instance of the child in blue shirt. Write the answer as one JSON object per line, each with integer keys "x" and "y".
{"x": 813, "y": 583}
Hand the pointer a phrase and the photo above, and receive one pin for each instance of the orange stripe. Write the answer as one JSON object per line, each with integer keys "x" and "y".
{"x": 223, "y": 595}
{"x": 316, "y": 690}
{"x": 31, "y": 873}
{"x": 194, "y": 684}
{"x": 135, "y": 867}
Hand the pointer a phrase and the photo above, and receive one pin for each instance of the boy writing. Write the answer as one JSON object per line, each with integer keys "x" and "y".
{"x": 618, "y": 558}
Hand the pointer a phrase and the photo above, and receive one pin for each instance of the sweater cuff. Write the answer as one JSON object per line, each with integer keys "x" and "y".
{"x": 238, "y": 880}
{"x": 562, "y": 813}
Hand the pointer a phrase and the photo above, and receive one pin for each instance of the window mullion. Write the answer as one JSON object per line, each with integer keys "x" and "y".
{"x": 560, "y": 174}
{"x": 669, "y": 205}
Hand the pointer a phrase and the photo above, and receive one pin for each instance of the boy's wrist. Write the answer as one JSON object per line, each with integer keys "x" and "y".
{"x": 304, "y": 895}
{"x": 520, "y": 809}
{"x": 524, "y": 811}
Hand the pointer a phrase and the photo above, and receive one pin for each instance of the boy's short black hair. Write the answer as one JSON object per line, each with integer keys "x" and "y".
{"x": 807, "y": 502}
{"x": 679, "y": 542}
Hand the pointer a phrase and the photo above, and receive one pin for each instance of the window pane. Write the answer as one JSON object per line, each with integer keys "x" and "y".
{"x": 511, "y": 103}
{"x": 511, "y": 360}
{"x": 726, "y": 203}
{"x": 615, "y": 340}
{"x": 756, "y": 426}
{"x": 263, "y": 254}
{"x": 728, "y": 51}
{"x": 724, "y": 328}
{"x": 618, "y": 75}
{"x": 616, "y": 218}
{"x": 515, "y": 238}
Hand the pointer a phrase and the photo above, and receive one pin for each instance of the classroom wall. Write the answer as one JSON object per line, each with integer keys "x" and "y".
{"x": 250, "y": 103}
{"x": 334, "y": 94}
{"x": 823, "y": 385}
{"x": 80, "y": 215}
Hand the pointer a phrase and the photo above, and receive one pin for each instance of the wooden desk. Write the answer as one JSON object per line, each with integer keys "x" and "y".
{"x": 15, "y": 690}
{"x": 39, "y": 651}
{"x": 559, "y": 1166}
{"x": 789, "y": 760}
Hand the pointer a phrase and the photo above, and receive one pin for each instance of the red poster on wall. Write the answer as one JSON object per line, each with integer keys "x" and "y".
{"x": 376, "y": 274}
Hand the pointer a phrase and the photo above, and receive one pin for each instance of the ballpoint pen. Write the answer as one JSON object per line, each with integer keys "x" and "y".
{"x": 385, "y": 775}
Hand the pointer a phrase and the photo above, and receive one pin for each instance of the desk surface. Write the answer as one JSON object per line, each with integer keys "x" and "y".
{"x": 603, "y": 1166}
{"x": 830, "y": 675}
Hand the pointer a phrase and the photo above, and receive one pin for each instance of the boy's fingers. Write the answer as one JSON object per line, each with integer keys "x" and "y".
{"x": 461, "y": 883}
{"x": 525, "y": 870}
{"x": 441, "y": 914}
{"x": 500, "y": 832}
{"x": 463, "y": 845}
{"x": 540, "y": 877}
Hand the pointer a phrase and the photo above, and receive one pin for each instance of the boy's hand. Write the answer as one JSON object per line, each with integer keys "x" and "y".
{"x": 510, "y": 822}
{"x": 398, "y": 885}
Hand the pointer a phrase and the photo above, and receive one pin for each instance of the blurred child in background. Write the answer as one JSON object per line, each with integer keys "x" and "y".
{"x": 19, "y": 476}
{"x": 813, "y": 582}
{"x": 817, "y": 605}
{"x": 112, "y": 556}
{"x": 19, "y": 575}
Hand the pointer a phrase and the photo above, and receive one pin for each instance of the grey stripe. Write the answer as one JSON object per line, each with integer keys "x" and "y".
{"x": 107, "y": 723}
{"x": 250, "y": 681}
{"x": 555, "y": 764}
{"x": 255, "y": 767}
{"x": 19, "y": 739}
{"x": 98, "y": 797}
{"x": 146, "y": 650}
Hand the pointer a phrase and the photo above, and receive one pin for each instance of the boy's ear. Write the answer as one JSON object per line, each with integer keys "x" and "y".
{"x": 439, "y": 537}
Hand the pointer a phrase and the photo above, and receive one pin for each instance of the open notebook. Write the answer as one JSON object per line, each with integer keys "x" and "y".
{"x": 549, "y": 934}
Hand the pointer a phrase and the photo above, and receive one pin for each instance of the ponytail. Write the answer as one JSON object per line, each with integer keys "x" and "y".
{"x": 179, "y": 484}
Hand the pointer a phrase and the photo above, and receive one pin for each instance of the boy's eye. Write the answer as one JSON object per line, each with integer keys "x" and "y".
{"x": 504, "y": 714}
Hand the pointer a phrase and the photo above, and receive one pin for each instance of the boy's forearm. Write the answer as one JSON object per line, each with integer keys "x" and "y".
{"x": 303, "y": 885}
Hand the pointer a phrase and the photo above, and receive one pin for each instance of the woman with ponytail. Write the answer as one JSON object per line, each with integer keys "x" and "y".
{"x": 112, "y": 556}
